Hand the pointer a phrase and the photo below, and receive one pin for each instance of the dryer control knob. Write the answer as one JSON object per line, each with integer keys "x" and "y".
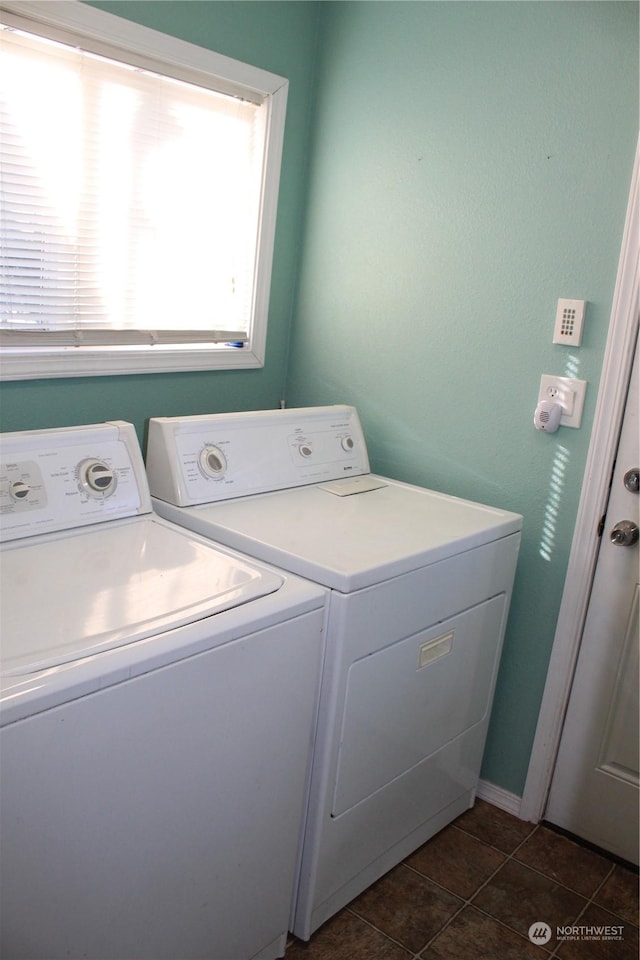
{"x": 305, "y": 450}
{"x": 213, "y": 462}
{"x": 347, "y": 443}
{"x": 96, "y": 476}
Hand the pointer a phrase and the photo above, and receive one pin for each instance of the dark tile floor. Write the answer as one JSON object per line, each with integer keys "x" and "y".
{"x": 473, "y": 892}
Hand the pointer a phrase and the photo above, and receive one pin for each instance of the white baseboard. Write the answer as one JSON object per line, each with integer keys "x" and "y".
{"x": 499, "y": 797}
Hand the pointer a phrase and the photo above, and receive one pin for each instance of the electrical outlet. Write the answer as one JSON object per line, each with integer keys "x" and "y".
{"x": 569, "y": 322}
{"x": 569, "y": 393}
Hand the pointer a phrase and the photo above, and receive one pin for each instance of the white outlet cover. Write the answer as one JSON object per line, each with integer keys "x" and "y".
{"x": 567, "y": 391}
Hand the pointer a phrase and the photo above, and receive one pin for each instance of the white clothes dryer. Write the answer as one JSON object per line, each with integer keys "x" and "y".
{"x": 158, "y": 697}
{"x": 420, "y": 588}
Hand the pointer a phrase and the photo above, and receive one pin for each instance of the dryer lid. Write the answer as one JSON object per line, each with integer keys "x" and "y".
{"x": 69, "y": 596}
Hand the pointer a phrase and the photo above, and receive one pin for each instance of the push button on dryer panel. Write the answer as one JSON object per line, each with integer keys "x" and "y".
{"x": 323, "y": 450}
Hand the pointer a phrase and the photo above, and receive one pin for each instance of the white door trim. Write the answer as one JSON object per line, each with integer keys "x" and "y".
{"x": 593, "y": 499}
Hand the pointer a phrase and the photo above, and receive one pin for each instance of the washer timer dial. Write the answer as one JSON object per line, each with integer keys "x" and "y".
{"x": 96, "y": 476}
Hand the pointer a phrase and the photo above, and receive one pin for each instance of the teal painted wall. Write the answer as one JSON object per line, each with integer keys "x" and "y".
{"x": 471, "y": 163}
{"x": 277, "y": 36}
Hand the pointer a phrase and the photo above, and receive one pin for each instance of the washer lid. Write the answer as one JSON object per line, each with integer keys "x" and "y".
{"x": 352, "y": 540}
{"x": 68, "y": 596}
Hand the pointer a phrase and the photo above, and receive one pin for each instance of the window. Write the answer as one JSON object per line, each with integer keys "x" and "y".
{"x": 138, "y": 189}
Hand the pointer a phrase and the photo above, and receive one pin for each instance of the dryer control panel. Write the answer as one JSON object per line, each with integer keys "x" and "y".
{"x": 192, "y": 460}
{"x": 59, "y": 479}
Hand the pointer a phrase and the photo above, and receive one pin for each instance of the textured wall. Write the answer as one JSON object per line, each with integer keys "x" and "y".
{"x": 470, "y": 164}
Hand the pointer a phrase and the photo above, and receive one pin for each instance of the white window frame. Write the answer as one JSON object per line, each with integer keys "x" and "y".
{"x": 108, "y": 33}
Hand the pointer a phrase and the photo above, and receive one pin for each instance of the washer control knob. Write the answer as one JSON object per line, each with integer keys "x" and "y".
{"x": 347, "y": 443}
{"x": 97, "y": 476}
{"x": 305, "y": 450}
{"x": 19, "y": 490}
{"x": 213, "y": 462}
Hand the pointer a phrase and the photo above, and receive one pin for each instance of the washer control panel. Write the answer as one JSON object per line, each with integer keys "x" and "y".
{"x": 60, "y": 479}
{"x": 193, "y": 460}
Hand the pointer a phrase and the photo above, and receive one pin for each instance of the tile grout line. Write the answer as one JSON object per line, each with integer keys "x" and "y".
{"x": 590, "y": 901}
{"x": 589, "y": 898}
{"x": 465, "y": 902}
{"x": 422, "y": 953}
{"x": 387, "y": 936}
{"x": 469, "y": 902}
{"x": 510, "y": 856}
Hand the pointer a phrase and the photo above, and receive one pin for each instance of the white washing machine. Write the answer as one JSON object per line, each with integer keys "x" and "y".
{"x": 158, "y": 699}
{"x": 420, "y": 588}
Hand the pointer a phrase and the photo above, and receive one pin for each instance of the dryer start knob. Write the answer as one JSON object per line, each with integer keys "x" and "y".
{"x": 213, "y": 462}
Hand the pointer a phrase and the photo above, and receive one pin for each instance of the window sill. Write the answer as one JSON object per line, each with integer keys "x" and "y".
{"x": 35, "y": 364}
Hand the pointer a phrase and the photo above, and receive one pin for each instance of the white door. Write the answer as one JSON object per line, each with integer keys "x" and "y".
{"x": 594, "y": 792}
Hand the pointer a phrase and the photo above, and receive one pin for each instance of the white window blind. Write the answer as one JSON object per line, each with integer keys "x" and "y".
{"x": 131, "y": 203}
